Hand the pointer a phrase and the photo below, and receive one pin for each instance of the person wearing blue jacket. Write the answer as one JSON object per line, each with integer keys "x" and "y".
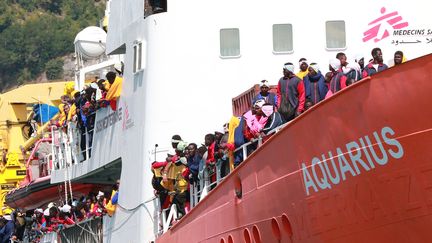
{"x": 265, "y": 94}
{"x": 7, "y": 229}
{"x": 193, "y": 160}
{"x": 315, "y": 86}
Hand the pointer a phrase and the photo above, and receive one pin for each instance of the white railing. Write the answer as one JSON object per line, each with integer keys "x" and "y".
{"x": 89, "y": 230}
{"x": 51, "y": 237}
{"x": 72, "y": 146}
{"x": 168, "y": 220}
{"x": 199, "y": 190}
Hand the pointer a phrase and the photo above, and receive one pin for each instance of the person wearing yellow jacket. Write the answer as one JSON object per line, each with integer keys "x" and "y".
{"x": 73, "y": 109}
{"x": 114, "y": 90}
{"x": 232, "y": 125}
{"x": 62, "y": 116}
{"x": 112, "y": 204}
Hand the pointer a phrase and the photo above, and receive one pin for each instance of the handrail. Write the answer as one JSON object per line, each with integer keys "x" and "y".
{"x": 204, "y": 185}
{"x": 68, "y": 150}
{"x": 166, "y": 221}
{"x": 198, "y": 190}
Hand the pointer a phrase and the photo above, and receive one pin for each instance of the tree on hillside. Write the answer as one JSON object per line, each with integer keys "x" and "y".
{"x": 34, "y": 33}
{"x": 54, "y": 69}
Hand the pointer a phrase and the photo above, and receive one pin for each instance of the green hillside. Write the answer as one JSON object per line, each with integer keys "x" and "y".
{"x": 35, "y": 34}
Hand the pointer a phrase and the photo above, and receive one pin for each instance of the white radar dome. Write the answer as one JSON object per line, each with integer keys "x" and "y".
{"x": 90, "y": 42}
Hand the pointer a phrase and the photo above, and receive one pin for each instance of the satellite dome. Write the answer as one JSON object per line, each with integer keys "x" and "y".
{"x": 90, "y": 42}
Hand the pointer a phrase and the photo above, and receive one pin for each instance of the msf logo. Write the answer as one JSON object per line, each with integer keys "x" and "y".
{"x": 381, "y": 27}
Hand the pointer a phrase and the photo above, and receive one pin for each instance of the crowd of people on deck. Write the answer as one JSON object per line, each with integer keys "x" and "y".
{"x": 79, "y": 107}
{"x": 188, "y": 164}
{"x": 31, "y": 225}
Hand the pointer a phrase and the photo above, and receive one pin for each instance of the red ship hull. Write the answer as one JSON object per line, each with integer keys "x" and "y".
{"x": 355, "y": 168}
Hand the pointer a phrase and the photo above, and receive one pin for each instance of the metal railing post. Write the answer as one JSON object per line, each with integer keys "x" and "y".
{"x": 244, "y": 152}
{"x": 218, "y": 170}
{"x": 191, "y": 195}
{"x": 86, "y": 143}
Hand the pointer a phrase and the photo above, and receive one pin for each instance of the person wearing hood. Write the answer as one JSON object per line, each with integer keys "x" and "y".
{"x": 359, "y": 59}
{"x": 315, "y": 86}
{"x": 399, "y": 58}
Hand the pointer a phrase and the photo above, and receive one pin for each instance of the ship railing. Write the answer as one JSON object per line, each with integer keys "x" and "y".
{"x": 89, "y": 230}
{"x": 81, "y": 141}
{"x": 70, "y": 146}
{"x": 45, "y": 166}
{"x": 51, "y": 237}
{"x": 199, "y": 189}
{"x": 59, "y": 144}
{"x": 167, "y": 220}
{"x": 258, "y": 140}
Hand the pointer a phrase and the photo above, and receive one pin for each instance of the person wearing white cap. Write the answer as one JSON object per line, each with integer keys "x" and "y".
{"x": 175, "y": 139}
{"x": 66, "y": 208}
{"x": 274, "y": 119}
{"x": 303, "y": 65}
{"x": 7, "y": 228}
{"x": 265, "y": 94}
{"x": 359, "y": 58}
{"x": 51, "y": 204}
{"x": 291, "y": 94}
{"x": 119, "y": 68}
{"x": 338, "y": 80}
{"x": 315, "y": 86}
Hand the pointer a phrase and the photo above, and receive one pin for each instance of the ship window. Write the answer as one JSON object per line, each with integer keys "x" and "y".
{"x": 230, "y": 42}
{"x": 154, "y": 7}
{"x": 282, "y": 38}
{"x": 335, "y": 34}
{"x": 137, "y": 48}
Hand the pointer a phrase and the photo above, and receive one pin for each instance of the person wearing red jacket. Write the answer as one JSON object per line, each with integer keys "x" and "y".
{"x": 338, "y": 79}
{"x": 291, "y": 91}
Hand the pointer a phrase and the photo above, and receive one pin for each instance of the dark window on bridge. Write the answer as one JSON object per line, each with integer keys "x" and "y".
{"x": 154, "y": 7}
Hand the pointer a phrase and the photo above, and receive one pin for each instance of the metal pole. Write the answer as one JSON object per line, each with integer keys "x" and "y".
{"x": 156, "y": 145}
{"x": 87, "y": 144}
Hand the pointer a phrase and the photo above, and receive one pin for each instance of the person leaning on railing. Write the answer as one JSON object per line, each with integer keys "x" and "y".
{"x": 112, "y": 203}
{"x": 161, "y": 191}
{"x": 114, "y": 90}
{"x": 181, "y": 187}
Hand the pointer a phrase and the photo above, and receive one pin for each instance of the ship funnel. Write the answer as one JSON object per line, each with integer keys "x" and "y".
{"x": 90, "y": 42}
